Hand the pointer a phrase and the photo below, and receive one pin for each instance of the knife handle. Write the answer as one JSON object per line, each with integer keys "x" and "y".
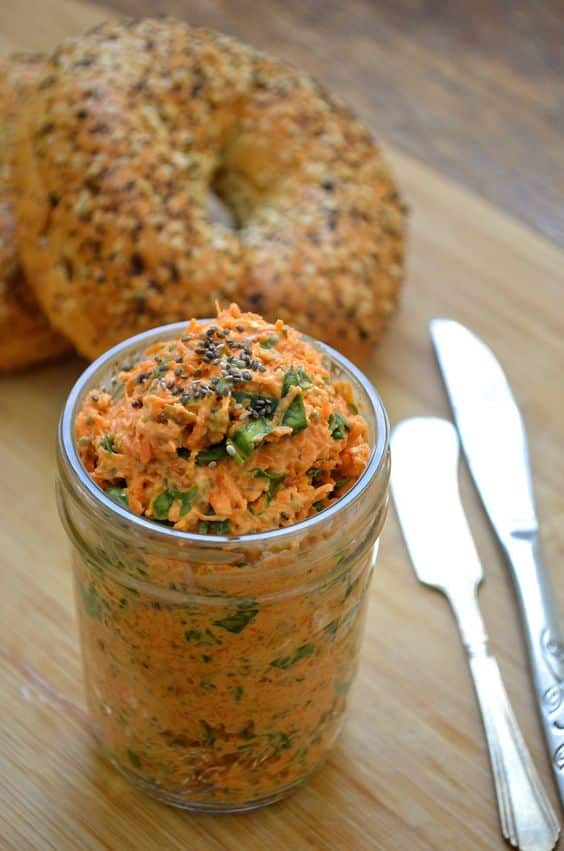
{"x": 526, "y": 815}
{"x": 527, "y": 818}
{"x": 546, "y": 651}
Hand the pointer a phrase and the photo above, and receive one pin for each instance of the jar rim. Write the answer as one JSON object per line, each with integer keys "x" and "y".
{"x": 67, "y": 446}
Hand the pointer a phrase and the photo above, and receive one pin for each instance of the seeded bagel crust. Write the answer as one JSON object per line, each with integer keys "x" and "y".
{"x": 118, "y": 147}
{"x": 26, "y": 337}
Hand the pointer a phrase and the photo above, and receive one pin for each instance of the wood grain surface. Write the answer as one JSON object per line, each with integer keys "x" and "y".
{"x": 474, "y": 88}
{"x": 411, "y": 769}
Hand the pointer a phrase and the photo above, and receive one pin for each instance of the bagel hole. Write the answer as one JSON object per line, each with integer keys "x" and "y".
{"x": 219, "y": 212}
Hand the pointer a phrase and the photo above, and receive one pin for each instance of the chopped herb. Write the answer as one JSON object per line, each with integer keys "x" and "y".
{"x": 274, "y": 482}
{"x": 287, "y": 661}
{"x": 332, "y": 627}
{"x": 338, "y": 425}
{"x": 244, "y": 440}
{"x": 182, "y": 452}
{"x": 212, "y": 453}
{"x": 350, "y": 587}
{"x": 280, "y": 742}
{"x": 238, "y": 692}
{"x": 118, "y": 495}
{"x": 206, "y": 658}
{"x": 201, "y": 639}
{"x": 319, "y": 505}
{"x": 315, "y": 475}
{"x": 134, "y": 759}
{"x": 296, "y": 378}
{"x": 92, "y": 602}
{"x": 295, "y": 416}
{"x": 352, "y": 407}
{"x": 108, "y": 444}
{"x": 341, "y": 483}
{"x": 163, "y": 503}
{"x": 237, "y": 621}
{"x": 213, "y": 527}
{"x": 209, "y": 736}
{"x": 270, "y": 341}
{"x": 221, "y": 385}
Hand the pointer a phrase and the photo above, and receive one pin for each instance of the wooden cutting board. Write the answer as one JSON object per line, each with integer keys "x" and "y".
{"x": 411, "y": 769}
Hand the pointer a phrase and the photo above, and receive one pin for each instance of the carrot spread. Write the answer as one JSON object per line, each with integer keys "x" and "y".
{"x": 223, "y": 688}
{"x": 233, "y": 428}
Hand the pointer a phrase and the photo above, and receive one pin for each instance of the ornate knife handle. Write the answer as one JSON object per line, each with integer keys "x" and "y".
{"x": 546, "y": 651}
{"x": 527, "y": 819}
{"x": 525, "y": 813}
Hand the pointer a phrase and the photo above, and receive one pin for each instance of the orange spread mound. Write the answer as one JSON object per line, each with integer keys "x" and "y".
{"x": 235, "y": 427}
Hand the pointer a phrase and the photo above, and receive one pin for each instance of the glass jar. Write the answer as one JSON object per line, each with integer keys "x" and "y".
{"x": 217, "y": 669}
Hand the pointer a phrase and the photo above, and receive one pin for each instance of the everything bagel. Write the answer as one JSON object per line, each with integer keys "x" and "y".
{"x": 119, "y": 145}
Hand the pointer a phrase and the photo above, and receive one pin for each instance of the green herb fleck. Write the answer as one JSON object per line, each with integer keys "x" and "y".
{"x": 319, "y": 505}
{"x": 315, "y": 475}
{"x": 338, "y": 425}
{"x": 238, "y": 620}
{"x": 238, "y": 693}
{"x": 213, "y": 527}
{"x": 352, "y": 407}
{"x": 209, "y": 735}
{"x": 212, "y": 453}
{"x": 201, "y": 639}
{"x": 332, "y": 627}
{"x": 118, "y": 495}
{"x": 274, "y": 481}
{"x": 92, "y": 602}
{"x": 295, "y": 415}
{"x": 300, "y": 653}
{"x": 270, "y": 341}
{"x": 350, "y": 587}
{"x": 163, "y": 503}
{"x": 108, "y": 444}
{"x": 221, "y": 385}
{"x": 134, "y": 759}
{"x": 296, "y": 378}
{"x": 279, "y": 742}
{"x": 182, "y": 452}
{"x": 244, "y": 440}
{"x": 206, "y": 658}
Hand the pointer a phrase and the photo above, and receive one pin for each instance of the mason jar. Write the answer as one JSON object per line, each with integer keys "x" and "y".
{"x": 217, "y": 670}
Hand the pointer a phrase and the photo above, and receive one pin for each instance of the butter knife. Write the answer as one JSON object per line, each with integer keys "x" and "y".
{"x": 495, "y": 444}
{"x": 424, "y": 484}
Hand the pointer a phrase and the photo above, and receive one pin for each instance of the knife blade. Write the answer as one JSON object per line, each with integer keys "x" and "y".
{"x": 424, "y": 484}
{"x": 493, "y": 437}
